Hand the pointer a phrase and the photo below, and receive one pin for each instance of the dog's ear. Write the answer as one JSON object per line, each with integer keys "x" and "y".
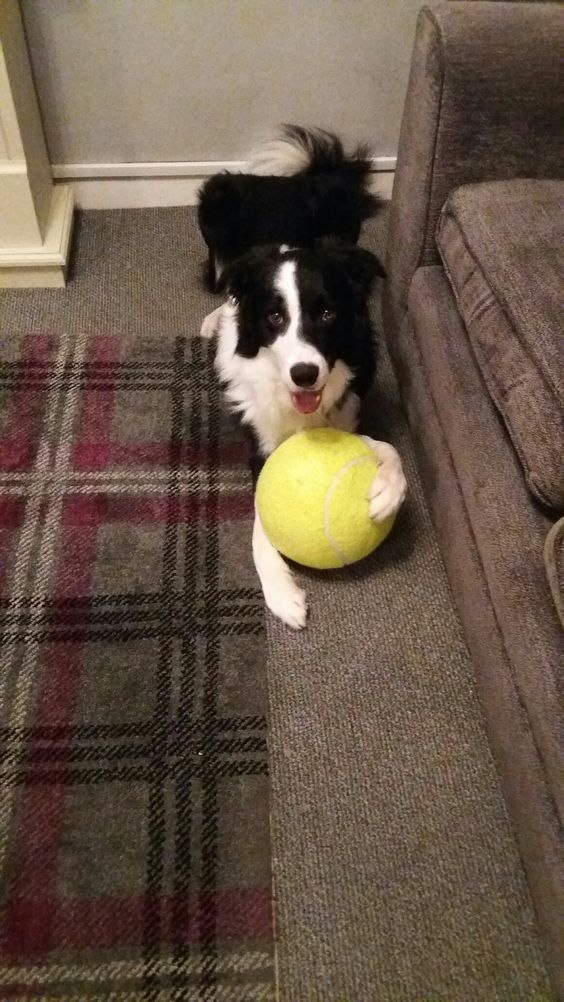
{"x": 237, "y": 278}
{"x": 241, "y": 276}
{"x": 361, "y": 266}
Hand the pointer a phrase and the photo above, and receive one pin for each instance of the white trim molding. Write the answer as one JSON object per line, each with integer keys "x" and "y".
{"x": 35, "y": 215}
{"x": 151, "y": 184}
{"x": 52, "y": 252}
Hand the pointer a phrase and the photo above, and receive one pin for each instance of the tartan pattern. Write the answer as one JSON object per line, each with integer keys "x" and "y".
{"x": 134, "y": 796}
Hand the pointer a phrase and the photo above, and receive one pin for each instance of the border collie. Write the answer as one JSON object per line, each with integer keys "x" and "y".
{"x": 295, "y": 350}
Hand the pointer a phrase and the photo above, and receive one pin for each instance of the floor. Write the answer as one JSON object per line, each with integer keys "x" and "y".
{"x": 140, "y": 670}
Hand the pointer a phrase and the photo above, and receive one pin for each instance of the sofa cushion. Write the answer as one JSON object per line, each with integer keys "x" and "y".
{"x": 502, "y": 245}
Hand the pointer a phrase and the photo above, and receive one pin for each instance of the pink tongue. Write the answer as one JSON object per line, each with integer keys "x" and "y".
{"x": 306, "y": 401}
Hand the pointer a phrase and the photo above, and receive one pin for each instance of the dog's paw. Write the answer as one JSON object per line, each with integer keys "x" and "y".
{"x": 209, "y": 326}
{"x": 287, "y": 601}
{"x": 387, "y": 492}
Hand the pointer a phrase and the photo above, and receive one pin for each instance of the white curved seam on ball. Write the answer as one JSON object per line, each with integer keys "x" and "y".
{"x": 328, "y": 498}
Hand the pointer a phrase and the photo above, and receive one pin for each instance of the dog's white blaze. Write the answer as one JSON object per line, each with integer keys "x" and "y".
{"x": 285, "y": 282}
{"x": 290, "y": 347}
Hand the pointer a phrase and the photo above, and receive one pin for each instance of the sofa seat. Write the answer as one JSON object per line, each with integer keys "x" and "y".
{"x": 502, "y": 246}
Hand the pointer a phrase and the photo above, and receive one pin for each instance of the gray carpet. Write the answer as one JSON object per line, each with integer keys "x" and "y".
{"x": 396, "y": 872}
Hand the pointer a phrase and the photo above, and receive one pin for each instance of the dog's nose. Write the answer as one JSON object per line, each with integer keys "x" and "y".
{"x": 304, "y": 374}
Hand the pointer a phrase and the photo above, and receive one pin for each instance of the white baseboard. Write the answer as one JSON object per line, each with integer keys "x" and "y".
{"x": 146, "y": 185}
{"x": 134, "y": 193}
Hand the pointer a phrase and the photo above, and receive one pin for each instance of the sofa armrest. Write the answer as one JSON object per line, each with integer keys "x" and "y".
{"x": 484, "y": 102}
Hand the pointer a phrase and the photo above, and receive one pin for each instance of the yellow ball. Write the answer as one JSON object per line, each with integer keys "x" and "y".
{"x": 312, "y": 498}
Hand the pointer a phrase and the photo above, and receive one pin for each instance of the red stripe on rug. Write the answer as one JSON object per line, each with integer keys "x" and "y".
{"x": 242, "y": 914}
{"x": 98, "y": 454}
{"x": 80, "y": 510}
{"x": 97, "y": 409}
{"x": 41, "y": 810}
{"x": 19, "y": 439}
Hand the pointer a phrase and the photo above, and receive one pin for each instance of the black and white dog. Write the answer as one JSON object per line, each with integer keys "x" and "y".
{"x": 295, "y": 348}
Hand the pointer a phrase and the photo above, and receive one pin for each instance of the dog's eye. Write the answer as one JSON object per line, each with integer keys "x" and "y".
{"x": 275, "y": 319}
{"x": 327, "y": 317}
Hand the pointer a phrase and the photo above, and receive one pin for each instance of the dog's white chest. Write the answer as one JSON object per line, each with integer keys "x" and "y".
{"x": 274, "y": 420}
{"x": 266, "y": 407}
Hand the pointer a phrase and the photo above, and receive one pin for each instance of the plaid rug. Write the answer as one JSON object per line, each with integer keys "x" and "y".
{"x": 134, "y": 792}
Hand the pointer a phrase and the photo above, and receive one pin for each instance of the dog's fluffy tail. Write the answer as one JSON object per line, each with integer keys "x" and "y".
{"x": 310, "y": 151}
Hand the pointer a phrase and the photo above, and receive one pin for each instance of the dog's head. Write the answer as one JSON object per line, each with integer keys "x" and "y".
{"x": 306, "y": 310}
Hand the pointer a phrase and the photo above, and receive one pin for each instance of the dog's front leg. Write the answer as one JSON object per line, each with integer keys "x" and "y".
{"x": 210, "y": 325}
{"x": 282, "y": 595}
{"x": 389, "y": 487}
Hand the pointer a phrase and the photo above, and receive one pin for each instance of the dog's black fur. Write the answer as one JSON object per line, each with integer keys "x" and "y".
{"x": 328, "y": 198}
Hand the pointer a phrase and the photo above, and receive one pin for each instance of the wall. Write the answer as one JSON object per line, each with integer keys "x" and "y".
{"x": 160, "y": 80}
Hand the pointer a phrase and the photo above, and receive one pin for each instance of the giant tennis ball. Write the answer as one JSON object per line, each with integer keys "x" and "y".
{"x": 312, "y": 499}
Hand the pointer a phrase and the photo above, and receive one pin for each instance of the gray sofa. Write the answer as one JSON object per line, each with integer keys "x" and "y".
{"x": 475, "y": 324}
